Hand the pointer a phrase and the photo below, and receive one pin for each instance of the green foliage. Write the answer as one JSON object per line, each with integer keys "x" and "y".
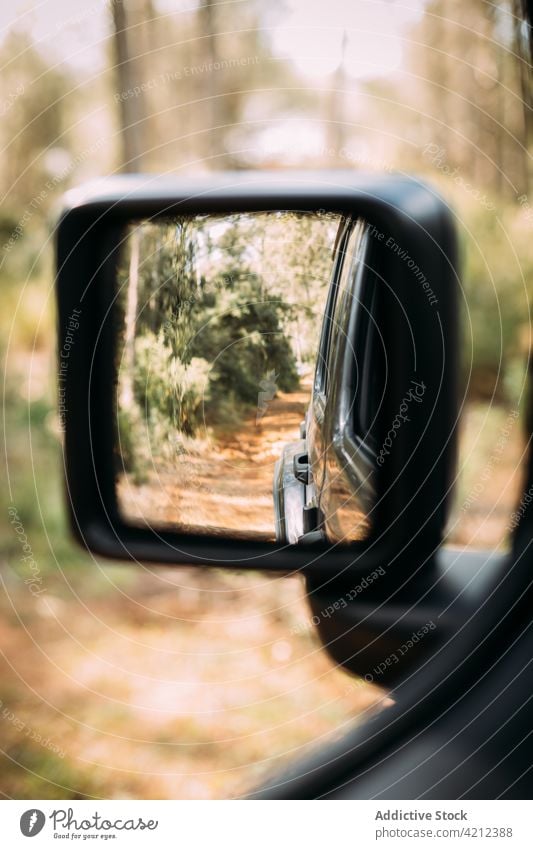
{"x": 497, "y": 286}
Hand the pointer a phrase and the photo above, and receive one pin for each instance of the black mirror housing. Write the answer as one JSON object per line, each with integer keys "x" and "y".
{"x": 412, "y": 231}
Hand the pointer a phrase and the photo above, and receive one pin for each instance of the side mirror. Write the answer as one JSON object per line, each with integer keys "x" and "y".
{"x": 258, "y": 370}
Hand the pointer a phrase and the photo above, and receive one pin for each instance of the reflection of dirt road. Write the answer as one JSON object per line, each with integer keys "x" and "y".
{"x": 225, "y": 483}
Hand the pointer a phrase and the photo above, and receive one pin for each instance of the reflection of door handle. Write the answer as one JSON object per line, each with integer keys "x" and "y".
{"x": 301, "y": 468}
{"x": 310, "y": 520}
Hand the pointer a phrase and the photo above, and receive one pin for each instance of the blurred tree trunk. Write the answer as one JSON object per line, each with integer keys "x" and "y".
{"x": 147, "y": 30}
{"x": 438, "y": 64}
{"x": 335, "y": 110}
{"x": 129, "y": 103}
{"x": 148, "y": 60}
{"x": 522, "y": 49}
{"x": 207, "y": 29}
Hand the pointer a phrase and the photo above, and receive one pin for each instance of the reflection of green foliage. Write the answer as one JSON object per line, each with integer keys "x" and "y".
{"x": 209, "y": 327}
{"x": 169, "y": 397}
{"x": 243, "y": 341}
{"x": 130, "y": 436}
{"x": 166, "y": 385}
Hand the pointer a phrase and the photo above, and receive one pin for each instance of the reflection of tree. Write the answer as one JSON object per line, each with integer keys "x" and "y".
{"x": 130, "y": 315}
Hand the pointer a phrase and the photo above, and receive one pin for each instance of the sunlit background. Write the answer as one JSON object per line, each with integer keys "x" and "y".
{"x": 119, "y": 681}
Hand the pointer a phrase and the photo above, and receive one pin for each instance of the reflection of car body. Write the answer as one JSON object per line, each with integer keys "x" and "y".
{"x": 323, "y": 484}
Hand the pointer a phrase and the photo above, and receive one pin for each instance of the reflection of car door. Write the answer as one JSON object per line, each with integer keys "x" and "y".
{"x": 345, "y": 493}
{"x": 316, "y": 434}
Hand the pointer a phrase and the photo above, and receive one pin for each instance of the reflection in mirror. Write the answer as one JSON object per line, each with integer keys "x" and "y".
{"x": 219, "y": 323}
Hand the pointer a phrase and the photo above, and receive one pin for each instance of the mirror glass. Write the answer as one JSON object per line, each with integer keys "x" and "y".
{"x": 222, "y": 342}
